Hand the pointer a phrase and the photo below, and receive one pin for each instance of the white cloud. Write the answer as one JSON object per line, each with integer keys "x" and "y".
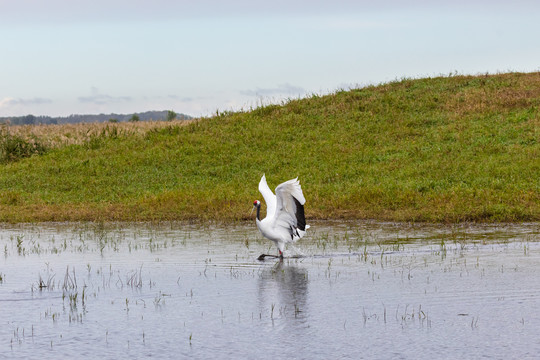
{"x": 103, "y": 99}
{"x": 10, "y": 101}
{"x": 281, "y": 89}
{"x": 6, "y": 102}
{"x": 105, "y": 10}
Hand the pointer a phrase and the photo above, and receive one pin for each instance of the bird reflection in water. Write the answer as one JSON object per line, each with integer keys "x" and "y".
{"x": 283, "y": 291}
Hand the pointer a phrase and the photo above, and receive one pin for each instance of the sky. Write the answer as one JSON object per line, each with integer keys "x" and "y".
{"x": 63, "y": 57}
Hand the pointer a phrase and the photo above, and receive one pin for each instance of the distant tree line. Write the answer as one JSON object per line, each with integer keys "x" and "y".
{"x": 72, "y": 119}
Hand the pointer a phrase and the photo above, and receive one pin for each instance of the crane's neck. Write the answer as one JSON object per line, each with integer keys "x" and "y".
{"x": 259, "y": 212}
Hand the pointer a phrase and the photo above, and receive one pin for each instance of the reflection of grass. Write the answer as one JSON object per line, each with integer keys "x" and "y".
{"x": 448, "y": 149}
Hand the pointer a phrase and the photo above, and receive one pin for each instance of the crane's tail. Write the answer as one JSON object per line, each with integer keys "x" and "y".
{"x": 298, "y": 234}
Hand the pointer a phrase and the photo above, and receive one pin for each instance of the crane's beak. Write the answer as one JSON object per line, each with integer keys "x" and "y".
{"x": 253, "y": 208}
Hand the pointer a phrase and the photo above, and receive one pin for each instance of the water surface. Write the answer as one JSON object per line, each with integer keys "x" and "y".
{"x": 347, "y": 290}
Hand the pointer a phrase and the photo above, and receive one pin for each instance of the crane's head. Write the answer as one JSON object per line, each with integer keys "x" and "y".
{"x": 256, "y": 205}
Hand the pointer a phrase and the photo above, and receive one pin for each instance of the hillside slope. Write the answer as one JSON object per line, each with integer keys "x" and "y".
{"x": 446, "y": 149}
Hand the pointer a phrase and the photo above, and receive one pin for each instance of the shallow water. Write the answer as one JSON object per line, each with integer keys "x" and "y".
{"x": 347, "y": 290}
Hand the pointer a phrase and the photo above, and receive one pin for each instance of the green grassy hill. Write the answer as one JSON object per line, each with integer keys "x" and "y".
{"x": 447, "y": 149}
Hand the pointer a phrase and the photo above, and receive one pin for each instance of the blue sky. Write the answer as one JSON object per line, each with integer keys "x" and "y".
{"x": 195, "y": 57}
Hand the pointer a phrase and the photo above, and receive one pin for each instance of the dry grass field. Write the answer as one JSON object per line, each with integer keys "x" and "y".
{"x": 54, "y": 136}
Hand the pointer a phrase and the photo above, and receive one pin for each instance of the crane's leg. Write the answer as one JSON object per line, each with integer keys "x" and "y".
{"x": 279, "y": 256}
{"x": 262, "y": 256}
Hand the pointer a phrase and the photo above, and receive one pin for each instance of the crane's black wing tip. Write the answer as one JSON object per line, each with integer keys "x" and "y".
{"x": 299, "y": 214}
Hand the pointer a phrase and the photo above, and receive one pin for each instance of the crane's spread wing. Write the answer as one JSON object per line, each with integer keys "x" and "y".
{"x": 290, "y": 208}
{"x": 268, "y": 196}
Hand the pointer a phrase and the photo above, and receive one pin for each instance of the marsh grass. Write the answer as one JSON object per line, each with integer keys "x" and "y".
{"x": 134, "y": 279}
{"x": 14, "y": 147}
{"x": 445, "y": 149}
{"x": 55, "y": 136}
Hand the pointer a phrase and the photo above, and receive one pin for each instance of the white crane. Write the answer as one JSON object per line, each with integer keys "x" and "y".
{"x": 285, "y": 221}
